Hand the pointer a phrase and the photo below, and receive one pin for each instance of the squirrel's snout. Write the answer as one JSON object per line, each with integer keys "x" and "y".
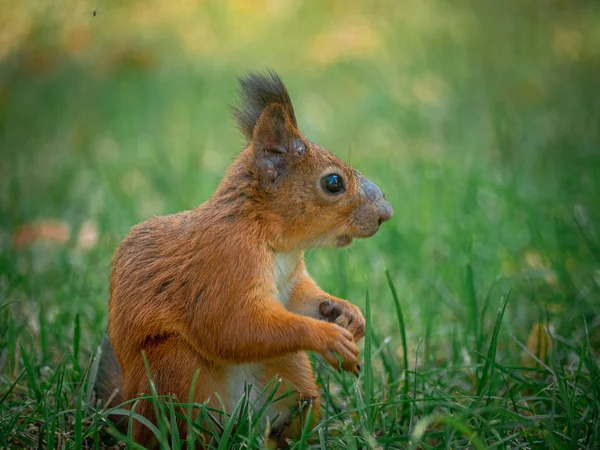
{"x": 374, "y": 211}
{"x": 373, "y": 194}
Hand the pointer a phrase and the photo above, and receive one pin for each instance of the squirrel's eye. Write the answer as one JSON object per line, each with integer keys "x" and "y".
{"x": 332, "y": 183}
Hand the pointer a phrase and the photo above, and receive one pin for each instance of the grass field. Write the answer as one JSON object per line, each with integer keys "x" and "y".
{"x": 479, "y": 120}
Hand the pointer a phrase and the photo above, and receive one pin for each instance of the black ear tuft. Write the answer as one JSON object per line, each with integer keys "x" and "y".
{"x": 257, "y": 91}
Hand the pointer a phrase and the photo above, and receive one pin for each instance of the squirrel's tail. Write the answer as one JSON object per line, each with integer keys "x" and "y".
{"x": 108, "y": 378}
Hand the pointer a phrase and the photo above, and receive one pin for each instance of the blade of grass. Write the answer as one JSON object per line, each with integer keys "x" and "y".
{"x": 471, "y": 295}
{"x": 162, "y": 422}
{"x": 322, "y": 438}
{"x": 175, "y": 438}
{"x": 368, "y": 363}
{"x": 43, "y": 321}
{"x": 12, "y": 386}
{"x": 302, "y": 442}
{"x": 492, "y": 349}
{"x": 191, "y": 436}
{"x": 454, "y": 422}
{"x": 413, "y": 403}
{"x": 486, "y": 303}
{"x": 593, "y": 371}
{"x": 223, "y": 440}
{"x": 78, "y": 421}
{"x": 32, "y": 383}
{"x": 159, "y": 411}
{"x": 275, "y": 383}
{"x": 76, "y": 337}
{"x": 132, "y": 415}
{"x": 401, "y": 325}
{"x": 582, "y": 356}
{"x": 96, "y": 435}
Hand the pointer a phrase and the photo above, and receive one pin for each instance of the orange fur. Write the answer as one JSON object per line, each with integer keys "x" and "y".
{"x": 223, "y": 287}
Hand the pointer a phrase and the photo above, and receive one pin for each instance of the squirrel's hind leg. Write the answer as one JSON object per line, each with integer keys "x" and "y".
{"x": 297, "y": 379}
{"x": 173, "y": 364}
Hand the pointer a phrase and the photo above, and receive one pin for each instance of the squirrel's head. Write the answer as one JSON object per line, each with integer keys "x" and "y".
{"x": 316, "y": 199}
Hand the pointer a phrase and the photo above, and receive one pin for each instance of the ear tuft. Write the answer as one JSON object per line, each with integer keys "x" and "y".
{"x": 257, "y": 91}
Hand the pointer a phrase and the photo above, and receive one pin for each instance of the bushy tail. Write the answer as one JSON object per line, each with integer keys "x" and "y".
{"x": 108, "y": 378}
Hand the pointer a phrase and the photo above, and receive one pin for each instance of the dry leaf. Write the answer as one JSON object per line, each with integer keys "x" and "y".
{"x": 43, "y": 230}
{"x": 539, "y": 344}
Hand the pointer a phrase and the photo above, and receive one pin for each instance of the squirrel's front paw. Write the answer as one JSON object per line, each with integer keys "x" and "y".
{"x": 344, "y": 314}
{"x": 335, "y": 339}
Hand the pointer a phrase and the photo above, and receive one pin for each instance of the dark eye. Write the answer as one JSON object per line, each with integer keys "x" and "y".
{"x": 332, "y": 183}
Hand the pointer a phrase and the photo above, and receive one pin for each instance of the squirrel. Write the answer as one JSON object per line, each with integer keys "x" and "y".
{"x": 223, "y": 288}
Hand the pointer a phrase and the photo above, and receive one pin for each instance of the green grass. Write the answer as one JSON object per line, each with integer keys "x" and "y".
{"x": 480, "y": 123}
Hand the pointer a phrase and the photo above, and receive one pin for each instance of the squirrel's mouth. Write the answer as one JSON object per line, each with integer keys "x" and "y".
{"x": 343, "y": 241}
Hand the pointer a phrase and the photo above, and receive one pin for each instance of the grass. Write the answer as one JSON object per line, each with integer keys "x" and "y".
{"x": 478, "y": 121}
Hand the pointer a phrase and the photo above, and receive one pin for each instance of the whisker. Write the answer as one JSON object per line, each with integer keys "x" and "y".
{"x": 350, "y": 223}
{"x": 325, "y": 234}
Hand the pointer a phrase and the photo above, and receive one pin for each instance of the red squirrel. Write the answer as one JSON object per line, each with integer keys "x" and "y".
{"x": 223, "y": 288}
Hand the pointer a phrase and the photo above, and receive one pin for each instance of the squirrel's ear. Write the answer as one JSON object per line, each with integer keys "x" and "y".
{"x": 276, "y": 142}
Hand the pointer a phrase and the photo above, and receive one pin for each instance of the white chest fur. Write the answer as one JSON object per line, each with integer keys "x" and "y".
{"x": 284, "y": 267}
{"x": 243, "y": 375}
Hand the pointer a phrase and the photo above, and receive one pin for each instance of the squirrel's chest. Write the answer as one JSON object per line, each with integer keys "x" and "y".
{"x": 283, "y": 273}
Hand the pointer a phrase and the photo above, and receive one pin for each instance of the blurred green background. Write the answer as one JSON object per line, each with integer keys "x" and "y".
{"x": 480, "y": 120}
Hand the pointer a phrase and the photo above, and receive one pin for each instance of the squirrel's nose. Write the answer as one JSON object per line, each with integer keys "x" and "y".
{"x": 374, "y": 195}
{"x": 385, "y": 210}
